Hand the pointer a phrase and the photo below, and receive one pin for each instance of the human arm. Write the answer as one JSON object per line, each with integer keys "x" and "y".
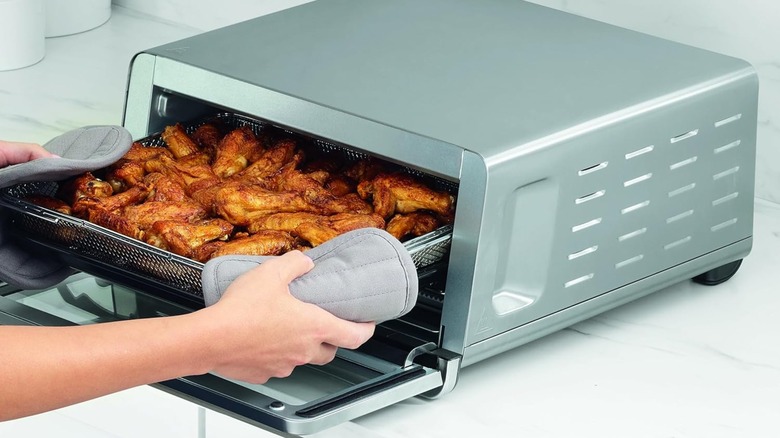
{"x": 256, "y": 331}
{"x": 16, "y": 152}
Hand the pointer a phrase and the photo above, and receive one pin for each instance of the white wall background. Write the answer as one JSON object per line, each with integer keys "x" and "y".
{"x": 748, "y": 29}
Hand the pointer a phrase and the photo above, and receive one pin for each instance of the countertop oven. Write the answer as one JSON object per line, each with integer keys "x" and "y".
{"x": 591, "y": 165}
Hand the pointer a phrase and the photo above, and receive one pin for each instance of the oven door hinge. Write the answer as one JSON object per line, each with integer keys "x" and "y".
{"x": 447, "y": 362}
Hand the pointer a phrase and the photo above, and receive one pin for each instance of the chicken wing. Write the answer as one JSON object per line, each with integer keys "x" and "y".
{"x": 125, "y": 174}
{"x": 82, "y": 186}
{"x": 412, "y": 224}
{"x": 163, "y": 188}
{"x": 207, "y": 137}
{"x": 49, "y": 202}
{"x": 179, "y": 143}
{"x": 328, "y": 227}
{"x": 146, "y": 214}
{"x": 236, "y": 151}
{"x": 242, "y": 204}
{"x": 114, "y": 203}
{"x": 402, "y": 193}
{"x": 282, "y": 221}
{"x": 272, "y": 159}
{"x": 291, "y": 179}
{"x": 267, "y": 242}
{"x": 184, "y": 238}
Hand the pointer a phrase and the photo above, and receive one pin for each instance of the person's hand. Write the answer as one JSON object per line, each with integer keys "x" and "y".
{"x": 15, "y": 152}
{"x": 258, "y": 330}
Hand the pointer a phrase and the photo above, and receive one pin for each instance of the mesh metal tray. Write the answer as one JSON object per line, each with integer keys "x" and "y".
{"x": 125, "y": 256}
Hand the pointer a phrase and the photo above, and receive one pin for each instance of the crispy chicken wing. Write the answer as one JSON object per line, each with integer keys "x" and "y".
{"x": 84, "y": 185}
{"x": 146, "y": 214}
{"x": 184, "y": 238}
{"x": 282, "y": 221}
{"x": 116, "y": 222}
{"x": 267, "y": 242}
{"x": 291, "y": 179}
{"x": 242, "y": 204}
{"x": 114, "y": 203}
{"x": 192, "y": 172}
{"x": 179, "y": 143}
{"x": 402, "y": 193}
{"x": 412, "y": 224}
{"x": 163, "y": 188}
{"x": 207, "y": 137}
{"x": 49, "y": 202}
{"x": 125, "y": 174}
{"x": 139, "y": 152}
{"x": 236, "y": 151}
{"x": 328, "y": 227}
{"x": 271, "y": 160}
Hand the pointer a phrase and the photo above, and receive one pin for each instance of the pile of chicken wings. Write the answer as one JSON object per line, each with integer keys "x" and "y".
{"x": 216, "y": 190}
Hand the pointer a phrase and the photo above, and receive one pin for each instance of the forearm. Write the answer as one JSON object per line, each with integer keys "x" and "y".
{"x": 44, "y": 368}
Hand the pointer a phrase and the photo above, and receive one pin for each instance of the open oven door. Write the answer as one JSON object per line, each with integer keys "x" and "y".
{"x": 389, "y": 368}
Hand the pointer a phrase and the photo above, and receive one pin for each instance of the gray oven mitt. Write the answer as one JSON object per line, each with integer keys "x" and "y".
{"x": 363, "y": 275}
{"x": 84, "y": 149}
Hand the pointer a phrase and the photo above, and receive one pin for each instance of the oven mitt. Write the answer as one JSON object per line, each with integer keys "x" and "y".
{"x": 84, "y": 149}
{"x": 363, "y": 275}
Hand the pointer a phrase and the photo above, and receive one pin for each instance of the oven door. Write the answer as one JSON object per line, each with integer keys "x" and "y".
{"x": 313, "y": 398}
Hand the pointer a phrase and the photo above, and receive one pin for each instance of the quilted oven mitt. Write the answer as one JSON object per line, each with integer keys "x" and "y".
{"x": 363, "y": 275}
{"x": 84, "y": 149}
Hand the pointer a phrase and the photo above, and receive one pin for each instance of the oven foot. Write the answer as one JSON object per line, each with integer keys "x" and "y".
{"x": 718, "y": 275}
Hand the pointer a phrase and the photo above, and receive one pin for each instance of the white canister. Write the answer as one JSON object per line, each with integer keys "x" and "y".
{"x": 22, "y": 41}
{"x": 66, "y": 17}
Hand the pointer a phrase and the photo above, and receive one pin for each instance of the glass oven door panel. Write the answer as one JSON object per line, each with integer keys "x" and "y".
{"x": 311, "y": 399}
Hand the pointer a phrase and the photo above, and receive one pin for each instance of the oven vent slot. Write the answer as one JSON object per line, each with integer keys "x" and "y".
{"x": 639, "y": 152}
{"x": 593, "y": 168}
{"x": 726, "y": 147}
{"x": 728, "y": 120}
{"x": 687, "y": 135}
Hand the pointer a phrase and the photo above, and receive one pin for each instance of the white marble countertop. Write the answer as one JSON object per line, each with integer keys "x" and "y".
{"x": 688, "y": 361}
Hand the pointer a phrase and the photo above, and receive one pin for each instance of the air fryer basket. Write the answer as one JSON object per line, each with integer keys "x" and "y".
{"x": 125, "y": 258}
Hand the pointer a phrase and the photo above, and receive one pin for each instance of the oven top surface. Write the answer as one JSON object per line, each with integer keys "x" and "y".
{"x": 484, "y": 75}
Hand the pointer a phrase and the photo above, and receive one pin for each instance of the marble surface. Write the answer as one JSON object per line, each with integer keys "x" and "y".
{"x": 687, "y": 361}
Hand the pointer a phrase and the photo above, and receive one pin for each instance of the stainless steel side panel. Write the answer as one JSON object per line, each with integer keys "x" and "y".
{"x": 571, "y": 315}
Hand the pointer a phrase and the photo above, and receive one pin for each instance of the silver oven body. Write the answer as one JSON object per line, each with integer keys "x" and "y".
{"x": 594, "y": 165}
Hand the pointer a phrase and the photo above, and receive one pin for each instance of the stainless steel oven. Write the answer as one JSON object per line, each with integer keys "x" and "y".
{"x": 592, "y": 165}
